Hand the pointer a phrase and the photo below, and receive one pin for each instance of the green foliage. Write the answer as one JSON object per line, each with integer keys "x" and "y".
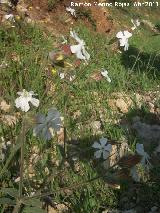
{"x": 25, "y": 50}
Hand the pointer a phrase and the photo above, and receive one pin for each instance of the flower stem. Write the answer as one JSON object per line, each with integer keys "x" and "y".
{"x": 22, "y": 158}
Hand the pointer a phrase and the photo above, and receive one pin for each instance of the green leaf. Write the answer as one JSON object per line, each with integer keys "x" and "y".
{"x": 32, "y": 202}
{"x": 33, "y": 210}
{"x": 6, "y": 201}
{"x": 13, "y": 152}
{"x": 10, "y": 191}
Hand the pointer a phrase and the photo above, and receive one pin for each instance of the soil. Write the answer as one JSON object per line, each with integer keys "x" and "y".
{"x": 60, "y": 21}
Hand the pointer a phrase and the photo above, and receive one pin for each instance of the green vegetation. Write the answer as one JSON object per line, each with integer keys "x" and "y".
{"x": 25, "y": 51}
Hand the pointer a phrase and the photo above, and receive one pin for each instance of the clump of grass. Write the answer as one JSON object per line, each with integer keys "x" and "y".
{"x": 52, "y": 4}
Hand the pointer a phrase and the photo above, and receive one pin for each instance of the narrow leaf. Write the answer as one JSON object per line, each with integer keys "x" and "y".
{"x": 6, "y": 201}
{"x": 10, "y": 191}
{"x": 33, "y": 210}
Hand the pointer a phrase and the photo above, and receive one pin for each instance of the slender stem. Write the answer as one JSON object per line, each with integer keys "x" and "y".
{"x": 22, "y": 158}
{"x": 17, "y": 207}
{"x": 65, "y": 142}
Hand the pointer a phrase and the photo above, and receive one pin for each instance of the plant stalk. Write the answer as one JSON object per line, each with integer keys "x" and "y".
{"x": 22, "y": 159}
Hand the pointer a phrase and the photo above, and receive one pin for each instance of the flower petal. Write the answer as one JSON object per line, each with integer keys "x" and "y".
{"x": 103, "y": 141}
{"x": 35, "y": 102}
{"x": 96, "y": 145}
{"x": 98, "y": 153}
{"x": 127, "y": 34}
{"x": 108, "y": 148}
{"x": 40, "y": 118}
{"x": 22, "y": 103}
{"x": 140, "y": 149}
{"x": 134, "y": 174}
{"x": 119, "y": 34}
{"x": 105, "y": 154}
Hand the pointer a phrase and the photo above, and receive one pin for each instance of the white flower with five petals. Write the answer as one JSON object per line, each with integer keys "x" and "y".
{"x": 123, "y": 37}
{"x": 23, "y": 101}
{"x": 79, "y": 49}
{"x": 46, "y": 125}
{"x": 103, "y": 148}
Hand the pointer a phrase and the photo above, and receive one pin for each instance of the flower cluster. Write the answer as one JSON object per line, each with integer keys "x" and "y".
{"x": 79, "y": 49}
{"x": 123, "y": 36}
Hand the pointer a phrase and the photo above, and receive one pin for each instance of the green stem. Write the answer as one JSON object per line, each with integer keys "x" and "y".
{"x": 22, "y": 159}
{"x": 17, "y": 207}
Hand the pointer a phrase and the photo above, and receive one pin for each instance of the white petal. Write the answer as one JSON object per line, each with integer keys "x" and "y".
{"x": 126, "y": 47}
{"x": 108, "y": 79}
{"x": 108, "y": 148}
{"x": 31, "y": 93}
{"x": 75, "y": 48}
{"x": 127, "y": 34}
{"x": 98, "y": 153}
{"x": 140, "y": 149}
{"x": 85, "y": 53}
{"x": 105, "y": 154}
{"x": 35, "y": 102}
{"x": 22, "y": 103}
{"x": 74, "y": 35}
{"x": 20, "y": 93}
{"x": 80, "y": 55}
{"x": 104, "y": 73}
{"x": 138, "y": 22}
{"x": 119, "y": 34}
{"x": 133, "y": 28}
{"x": 61, "y": 75}
{"x": 134, "y": 174}
{"x": 96, "y": 145}
{"x": 103, "y": 141}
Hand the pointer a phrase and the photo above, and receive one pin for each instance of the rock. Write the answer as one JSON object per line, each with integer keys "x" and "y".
{"x": 122, "y": 105}
{"x": 146, "y": 132}
{"x": 96, "y": 127}
{"x": 4, "y": 106}
{"x": 154, "y": 209}
{"x": 59, "y": 208}
{"x": 118, "y": 151}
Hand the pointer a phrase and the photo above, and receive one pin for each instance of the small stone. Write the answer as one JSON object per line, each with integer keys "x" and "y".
{"x": 122, "y": 105}
{"x": 154, "y": 208}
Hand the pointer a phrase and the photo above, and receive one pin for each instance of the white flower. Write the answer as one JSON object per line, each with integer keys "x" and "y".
{"x": 123, "y": 37}
{"x": 5, "y": 2}
{"x": 23, "y": 101}
{"x": 104, "y": 149}
{"x": 61, "y": 75}
{"x": 145, "y": 157}
{"x": 46, "y": 124}
{"x": 104, "y": 73}
{"x": 71, "y": 78}
{"x": 136, "y": 23}
{"x": 9, "y": 17}
{"x": 71, "y": 10}
{"x": 79, "y": 49}
{"x": 134, "y": 174}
